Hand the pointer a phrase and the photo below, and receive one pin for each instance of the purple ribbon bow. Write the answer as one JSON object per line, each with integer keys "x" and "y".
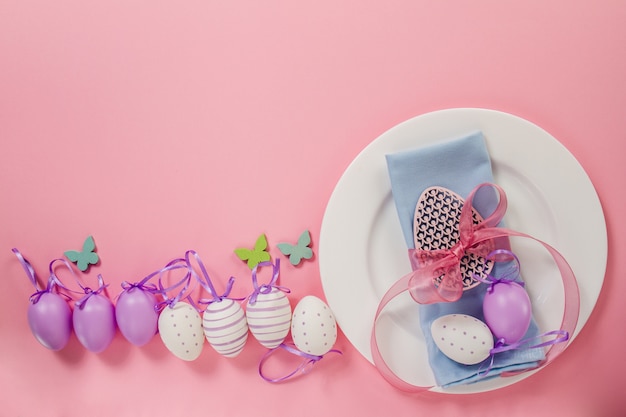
{"x": 266, "y": 288}
{"x": 89, "y": 292}
{"x": 207, "y": 284}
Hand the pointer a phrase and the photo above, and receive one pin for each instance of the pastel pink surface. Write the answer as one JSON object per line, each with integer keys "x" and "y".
{"x": 159, "y": 128}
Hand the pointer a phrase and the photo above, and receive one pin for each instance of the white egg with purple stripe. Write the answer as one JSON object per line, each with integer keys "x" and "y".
{"x": 313, "y": 326}
{"x": 180, "y": 328}
{"x": 269, "y": 317}
{"x": 225, "y": 327}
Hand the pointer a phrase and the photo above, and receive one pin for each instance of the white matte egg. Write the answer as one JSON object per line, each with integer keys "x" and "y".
{"x": 313, "y": 326}
{"x": 269, "y": 317}
{"x": 180, "y": 328}
{"x": 225, "y": 327}
{"x": 462, "y": 338}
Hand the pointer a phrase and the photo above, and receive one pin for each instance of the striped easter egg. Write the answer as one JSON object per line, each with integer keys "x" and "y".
{"x": 225, "y": 327}
{"x": 269, "y": 318}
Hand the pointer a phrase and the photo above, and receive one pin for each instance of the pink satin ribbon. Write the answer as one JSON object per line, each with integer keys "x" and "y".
{"x": 429, "y": 265}
{"x": 422, "y": 287}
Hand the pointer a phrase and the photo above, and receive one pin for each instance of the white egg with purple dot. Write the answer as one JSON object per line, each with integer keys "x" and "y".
{"x": 462, "y": 338}
{"x": 313, "y": 326}
{"x": 180, "y": 328}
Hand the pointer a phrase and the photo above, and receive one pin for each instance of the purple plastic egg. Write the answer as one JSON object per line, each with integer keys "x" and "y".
{"x": 50, "y": 320}
{"x": 507, "y": 311}
{"x": 94, "y": 323}
{"x": 136, "y": 316}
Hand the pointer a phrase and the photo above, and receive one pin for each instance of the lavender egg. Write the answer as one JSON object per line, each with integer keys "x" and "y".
{"x": 50, "y": 320}
{"x": 94, "y": 323}
{"x": 136, "y": 316}
{"x": 507, "y": 311}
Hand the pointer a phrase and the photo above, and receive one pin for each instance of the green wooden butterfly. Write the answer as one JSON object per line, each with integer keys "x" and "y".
{"x": 85, "y": 257}
{"x": 254, "y": 256}
{"x": 298, "y": 251}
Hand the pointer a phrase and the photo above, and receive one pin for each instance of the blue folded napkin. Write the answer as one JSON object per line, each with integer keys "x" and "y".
{"x": 459, "y": 165}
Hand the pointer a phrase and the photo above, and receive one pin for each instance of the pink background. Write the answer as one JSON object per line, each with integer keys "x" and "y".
{"x": 162, "y": 126}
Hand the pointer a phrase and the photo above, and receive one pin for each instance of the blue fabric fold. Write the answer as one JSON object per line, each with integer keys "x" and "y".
{"x": 459, "y": 164}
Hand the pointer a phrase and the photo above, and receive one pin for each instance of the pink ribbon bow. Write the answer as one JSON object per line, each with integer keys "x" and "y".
{"x": 422, "y": 283}
{"x": 437, "y": 275}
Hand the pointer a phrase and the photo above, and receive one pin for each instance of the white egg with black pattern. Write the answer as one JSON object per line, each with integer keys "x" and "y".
{"x": 313, "y": 326}
{"x": 462, "y": 338}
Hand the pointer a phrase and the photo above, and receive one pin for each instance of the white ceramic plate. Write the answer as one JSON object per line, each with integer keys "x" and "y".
{"x": 362, "y": 251}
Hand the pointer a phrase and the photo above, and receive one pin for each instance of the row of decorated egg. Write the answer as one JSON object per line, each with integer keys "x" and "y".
{"x": 51, "y": 320}
{"x": 181, "y": 328}
{"x": 94, "y": 319}
{"x": 270, "y": 319}
{"x": 224, "y": 323}
{"x": 468, "y": 340}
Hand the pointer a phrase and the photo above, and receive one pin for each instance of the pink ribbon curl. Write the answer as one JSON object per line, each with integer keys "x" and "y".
{"x": 422, "y": 285}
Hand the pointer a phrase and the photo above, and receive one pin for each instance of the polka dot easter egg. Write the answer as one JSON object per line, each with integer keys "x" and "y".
{"x": 180, "y": 328}
{"x": 313, "y": 326}
{"x": 462, "y": 338}
{"x": 269, "y": 317}
{"x": 225, "y": 327}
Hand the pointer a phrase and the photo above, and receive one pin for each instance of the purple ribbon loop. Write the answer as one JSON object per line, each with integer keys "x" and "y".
{"x": 53, "y": 280}
{"x": 266, "y": 288}
{"x": 89, "y": 292}
{"x": 530, "y": 343}
{"x": 304, "y": 367}
{"x": 561, "y": 336}
{"x": 184, "y": 292}
{"x": 206, "y": 283}
{"x": 142, "y": 285}
{"x": 28, "y": 268}
{"x": 510, "y": 276}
